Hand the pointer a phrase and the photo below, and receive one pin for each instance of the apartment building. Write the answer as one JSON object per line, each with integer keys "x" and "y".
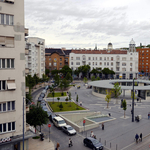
{"x": 144, "y": 60}
{"x": 35, "y": 56}
{"x": 124, "y": 63}
{"x": 12, "y": 74}
{"x": 56, "y": 58}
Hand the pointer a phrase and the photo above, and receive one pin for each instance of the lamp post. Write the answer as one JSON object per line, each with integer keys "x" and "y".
{"x": 133, "y": 103}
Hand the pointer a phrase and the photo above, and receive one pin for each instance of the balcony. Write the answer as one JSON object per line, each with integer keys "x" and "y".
{"x": 83, "y": 60}
{"x": 27, "y": 71}
{"x": 26, "y": 32}
{"x": 26, "y": 51}
{"x": 9, "y": 1}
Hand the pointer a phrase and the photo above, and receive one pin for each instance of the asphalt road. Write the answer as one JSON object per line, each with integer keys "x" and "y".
{"x": 118, "y": 133}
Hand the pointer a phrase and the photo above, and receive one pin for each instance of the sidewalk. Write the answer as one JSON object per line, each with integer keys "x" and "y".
{"x": 37, "y": 144}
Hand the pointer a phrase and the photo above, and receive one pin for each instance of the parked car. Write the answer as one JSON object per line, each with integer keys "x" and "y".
{"x": 45, "y": 109}
{"x": 51, "y": 117}
{"x": 93, "y": 143}
{"x": 43, "y": 104}
{"x": 78, "y": 87}
{"x": 49, "y": 113}
{"x": 46, "y": 88}
{"x": 40, "y": 99}
{"x": 42, "y": 95}
{"x": 59, "y": 122}
{"x": 44, "y": 91}
{"x": 69, "y": 130}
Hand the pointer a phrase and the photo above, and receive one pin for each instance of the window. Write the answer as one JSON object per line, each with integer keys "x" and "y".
{"x": 107, "y": 63}
{"x": 4, "y": 106}
{"x": 71, "y": 58}
{"x": 130, "y": 64}
{"x": 3, "y": 63}
{"x": 96, "y": 58}
{"x": 55, "y": 64}
{"x": 50, "y": 59}
{"x": 131, "y": 58}
{"x": 71, "y": 63}
{"x": 123, "y": 64}
{"x": 100, "y": 58}
{"x": 78, "y": 63}
{"x": 55, "y": 59}
{"x": 104, "y": 63}
{"x": 93, "y": 63}
{"x": 77, "y": 58}
{"x": 89, "y": 63}
{"x": 6, "y": 41}
{"x": 107, "y": 58}
{"x": 111, "y": 63}
{"x": 50, "y": 64}
{"x": 112, "y": 69}
{"x": 112, "y": 58}
{"x": 89, "y": 58}
{"x": 60, "y": 64}
{"x": 93, "y": 58}
{"x": 100, "y": 63}
{"x": 2, "y": 85}
{"x": 104, "y": 58}
{"x": 6, "y": 19}
{"x": 123, "y": 58}
{"x": 12, "y": 63}
{"x": 9, "y": 106}
{"x": 130, "y": 69}
{"x": 7, "y": 127}
{"x": 96, "y": 63}
{"x": 60, "y": 59}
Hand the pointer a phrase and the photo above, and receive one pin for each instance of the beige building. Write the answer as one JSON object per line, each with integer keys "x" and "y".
{"x": 12, "y": 74}
{"x": 35, "y": 59}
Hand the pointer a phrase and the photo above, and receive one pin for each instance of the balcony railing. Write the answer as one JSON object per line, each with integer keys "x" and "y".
{"x": 26, "y": 51}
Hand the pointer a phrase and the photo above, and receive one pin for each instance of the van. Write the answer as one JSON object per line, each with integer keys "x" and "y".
{"x": 59, "y": 122}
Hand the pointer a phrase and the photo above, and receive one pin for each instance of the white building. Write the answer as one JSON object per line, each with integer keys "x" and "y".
{"x": 123, "y": 63}
{"x": 35, "y": 58}
{"x": 12, "y": 73}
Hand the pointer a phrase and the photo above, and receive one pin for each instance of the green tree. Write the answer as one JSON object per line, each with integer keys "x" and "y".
{"x": 36, "y": 116}
{"x": 93, "y": 78}
{"x": 116, "y": 91}
{"x": 61, "y": 106}
{"x": 77, "y": 101}
{"x": 56, "y": 79}
{"x": 61, "y": 87}
{"x": 53, "y": 72}
{"x": 36, "y": 79}
{"x": 98, "y": 78}
{"x": 95, "y": 72}
{"x": 65, "y": 83}
{"x": 132, "y": 95}
{"x": 70, "y": 98}
{"x": 108, "y": 97}
{"x": 65, "y": 70}
{"x": 84, "y": 70}
{"x": 44, "y": 78}
{"x": 85, "y": 80}
{"x": 69, "y": 77}
{"x": 58, "y": 100}
{"x": 47, "y": 72}
{"x": 124, "y": 105}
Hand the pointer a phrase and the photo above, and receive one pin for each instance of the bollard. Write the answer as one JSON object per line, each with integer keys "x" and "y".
{"x": 99, "y": 139}
{"x": 110, "y": 145}
{"x": 105, "y": 142}
{"x": 116, "y": 146}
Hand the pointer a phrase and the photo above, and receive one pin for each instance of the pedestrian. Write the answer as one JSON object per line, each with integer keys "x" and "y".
{"x": 141, "y": 137}
{"x": 57, "y": 146}
{"x": 102, "y": 126}
{"x": 148, "y": 115}
{"x": 70, "y": 142}
{"x": 136, "y": 137}
{"x": 92, "y": 134}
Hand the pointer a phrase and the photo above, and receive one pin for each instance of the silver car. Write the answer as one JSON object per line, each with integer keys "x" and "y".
{"x": 69, "y": 130}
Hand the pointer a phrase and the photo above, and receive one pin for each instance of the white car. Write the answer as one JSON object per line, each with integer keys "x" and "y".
{"x": 69, "y": 130}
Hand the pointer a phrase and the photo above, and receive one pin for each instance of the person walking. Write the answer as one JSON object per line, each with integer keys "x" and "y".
{"x": 92, "y": 134}
{"x": 70, "y": 142}
{"x": 57, "y": 146}
{"x": 136, "y": 137}
{"x": 148, "y": 115}
{"x": 141, "y": 137}
{"x": 102, "y": 126}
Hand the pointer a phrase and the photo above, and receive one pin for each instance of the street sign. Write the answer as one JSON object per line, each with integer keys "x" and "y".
{"x": 83, "y": 121}
{"x": 49, "y": 125}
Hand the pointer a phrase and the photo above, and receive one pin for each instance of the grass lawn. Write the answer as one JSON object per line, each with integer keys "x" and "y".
{"x": 56, "y": 94}
{"x": 66, "y": 106}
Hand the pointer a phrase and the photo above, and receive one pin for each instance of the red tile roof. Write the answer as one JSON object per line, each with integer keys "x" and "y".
{"x": 99, "y": 52}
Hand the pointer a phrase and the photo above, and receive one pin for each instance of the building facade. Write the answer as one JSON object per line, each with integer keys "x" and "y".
{"x": 12, "y": 74}
{"x": 35, "y": 58}
{"x": 55, "y": 59}
{"x": 144, "y": 60}
{"x": 124, "y": 63}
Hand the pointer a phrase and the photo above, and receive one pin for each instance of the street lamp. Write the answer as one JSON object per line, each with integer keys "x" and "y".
{"x": 133, "y": 103}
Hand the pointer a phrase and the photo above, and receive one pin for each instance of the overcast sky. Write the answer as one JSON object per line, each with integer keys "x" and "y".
{"x": 84, "y": 23}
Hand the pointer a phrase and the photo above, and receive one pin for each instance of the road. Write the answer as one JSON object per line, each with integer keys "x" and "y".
{"x": 119, "y": 132}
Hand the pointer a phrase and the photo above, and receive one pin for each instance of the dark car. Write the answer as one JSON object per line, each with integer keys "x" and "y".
{"x": 51, "y": 117}
{"x": 42, "y": 95}
{"x": 93, "y": 143}
{"x": 40, "y": 99}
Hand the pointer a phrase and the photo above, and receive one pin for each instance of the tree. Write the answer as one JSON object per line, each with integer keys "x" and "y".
{"x": 70, "y": 98}
{"x": 85, "y": 80}
{"x": 66, "y": 100}
{"x": 53, "y": 72}
{"x": 116, "y": 91}
{"x": 108, "y": 97}
{"x": 56, "y": 79}
{"x": 65, "y": 83}
{"x": 47, "y": 72}
{"x": 65, "y": 69}
{"x": 69, "y": 77}
{"x": 61, "y": 87}
{"x": 95, "y": 71}
{"x": 44, "y": 78}
{"x": 36, "y": 79}
{"x": 61, "y": 106}
{"x": 93, "y": 78}
{"x": 53, "y": 95}
{"x": 77, "y": 101}
{"x": 84, "y": 70}
{"x": 58, "y": 100}
{"x": 124, "y": 105}
{"x": 132, "y": 95}
{"x": 36, "y": 116}
{"x": 98, "y": 78}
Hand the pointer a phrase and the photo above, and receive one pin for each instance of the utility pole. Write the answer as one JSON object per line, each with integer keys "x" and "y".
{"x": 133, "y": 103}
